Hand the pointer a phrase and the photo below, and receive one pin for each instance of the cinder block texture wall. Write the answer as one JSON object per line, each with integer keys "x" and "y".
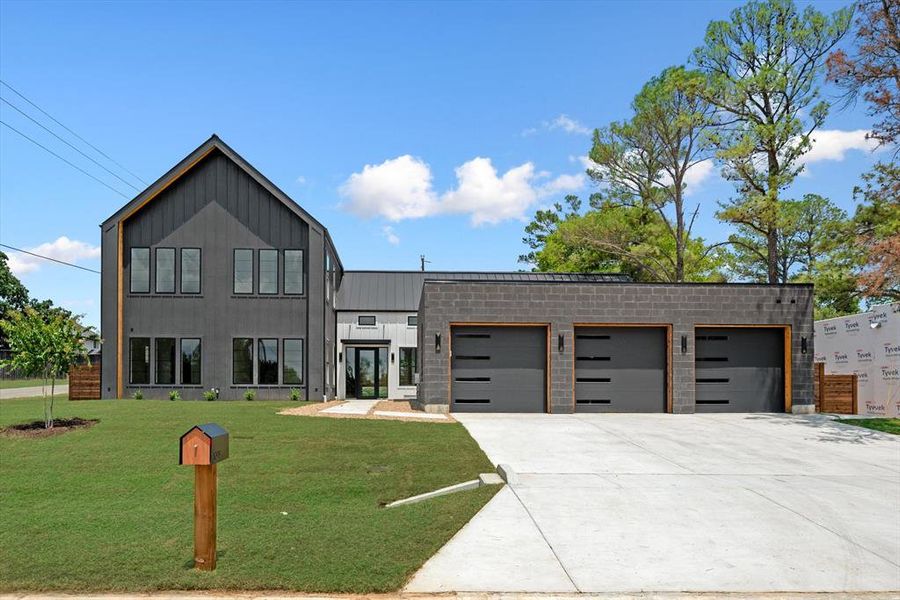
{"x": 683, "y": 306}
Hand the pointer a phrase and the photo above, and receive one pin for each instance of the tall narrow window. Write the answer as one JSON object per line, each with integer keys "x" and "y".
{"x": 327, "y": 277}
{"x": 267, "y": 358}
{"x": 243, "y": 271}
{"x": 165, "y": 361}
{"x": 165, "y": 270}
{"x": 140, "y": 270}
{"x": 242, "y": 361}
{"x": 293, "y": 271}
{"x": 190, "y": 270}
{"x": 190, "y": 361}
{"x": 268, "y": 271}
{"x": 407, "y": 366}
{"x": 139, "y": 361}
{"x": 293, "y": 362}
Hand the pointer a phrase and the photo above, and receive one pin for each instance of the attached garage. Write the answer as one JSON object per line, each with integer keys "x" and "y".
{"x": 498, "y": 369}
{"x": 620, "y": 369}
{"x": 740, "y": 369}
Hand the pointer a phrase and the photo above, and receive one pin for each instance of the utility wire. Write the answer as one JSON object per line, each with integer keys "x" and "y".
{"x": 71, "y": 164}
{"x": 51, "y": 132}
{"x": 56, "y": 260}
{"x": 51, "y": 117}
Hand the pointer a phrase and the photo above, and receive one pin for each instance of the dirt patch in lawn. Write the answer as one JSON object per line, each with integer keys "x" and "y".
{"x": 37, "y": 429}
{"x": 396, "y": 406}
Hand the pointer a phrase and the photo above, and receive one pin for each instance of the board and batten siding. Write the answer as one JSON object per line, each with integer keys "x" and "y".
{"x": 390, "y": 326}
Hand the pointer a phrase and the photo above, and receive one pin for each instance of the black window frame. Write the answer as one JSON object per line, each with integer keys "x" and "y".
{"x": 284, "y": 362}
{"x": 302, "y": 272}
{"x": 156, "y": 289}
{"x": 181, "y": 373}
{"x": 131, "y": 289}
{"x": 147, "y": 349}
{"x": 234, "y": 380}
{"x": 359, "y": 322}
{"x": 259, "y": 365}
{"x": 234, "y": 254}
{"x": 412, "y": 369}
{"x": 156, "y": 361}
{"x": 199, "y": 270}
{"x": 412, "y": 317}
{"x": 259, "y": 271}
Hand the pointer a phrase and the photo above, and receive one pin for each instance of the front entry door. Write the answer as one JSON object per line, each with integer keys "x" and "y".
{"x": 366, "y": 373}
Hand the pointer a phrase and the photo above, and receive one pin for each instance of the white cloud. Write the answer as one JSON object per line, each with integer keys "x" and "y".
{"x": 301, "y": 180}
{"x": 833, "y": 144}
{"x": 388, "y": 232}
{"x": 401, "y": 188}
{"x": 563, "y": 123}
{"x": 61, "y": 249}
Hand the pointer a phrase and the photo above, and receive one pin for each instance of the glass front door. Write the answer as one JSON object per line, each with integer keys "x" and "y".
{"x": 366, "y": 372}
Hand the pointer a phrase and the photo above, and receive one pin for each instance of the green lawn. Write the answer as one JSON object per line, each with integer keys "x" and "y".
{"x": 108, "y": 508}
{"x": 886, "y": 425}
{"x": 7, "y": 384}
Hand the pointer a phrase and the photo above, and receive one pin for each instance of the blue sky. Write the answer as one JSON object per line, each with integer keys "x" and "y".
{"x": 469, "y": 117}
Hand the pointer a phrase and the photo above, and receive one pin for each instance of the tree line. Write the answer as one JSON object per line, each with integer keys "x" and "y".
{"x": 748, "y": 102}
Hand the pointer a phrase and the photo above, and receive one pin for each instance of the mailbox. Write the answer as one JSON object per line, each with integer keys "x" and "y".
{"x": 203, "y": 445}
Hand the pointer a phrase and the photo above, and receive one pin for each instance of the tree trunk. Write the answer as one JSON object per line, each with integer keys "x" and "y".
{"x": 771, "y": 214}
{"x": 679, "y": 235}
{"x": 772, "y": 251}
{"x": 52, "y": 395}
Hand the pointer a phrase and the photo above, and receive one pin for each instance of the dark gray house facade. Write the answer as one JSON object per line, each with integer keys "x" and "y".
{"x": 214, "y": 279}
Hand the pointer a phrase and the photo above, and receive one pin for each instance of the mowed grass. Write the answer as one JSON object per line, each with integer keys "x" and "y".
{"x": 109, "y": 509}
{"x": 8, "y": 384}
{"x": 885, "y": 425}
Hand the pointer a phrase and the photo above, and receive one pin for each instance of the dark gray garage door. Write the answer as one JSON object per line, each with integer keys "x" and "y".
{"x": 740, "y": 370}
{"x": 499, "y": 369}
{"x": 620, "y": 369}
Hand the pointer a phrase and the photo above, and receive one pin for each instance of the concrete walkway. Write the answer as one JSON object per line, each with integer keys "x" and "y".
{"x": 30, "y": 392}
{"x": 671, "y": 503}
{"x": 352, "y": 407}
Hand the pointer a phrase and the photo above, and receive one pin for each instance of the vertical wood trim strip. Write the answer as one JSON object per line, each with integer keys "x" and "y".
{"x": 788, "y": 371}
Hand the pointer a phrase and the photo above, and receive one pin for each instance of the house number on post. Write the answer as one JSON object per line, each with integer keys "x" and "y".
{"x": 203, "y": 446}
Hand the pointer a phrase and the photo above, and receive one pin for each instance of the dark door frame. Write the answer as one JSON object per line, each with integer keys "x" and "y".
{"x": 378, "y": 380}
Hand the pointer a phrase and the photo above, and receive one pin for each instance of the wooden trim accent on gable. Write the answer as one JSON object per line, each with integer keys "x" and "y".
{"x": 669, "y": 353}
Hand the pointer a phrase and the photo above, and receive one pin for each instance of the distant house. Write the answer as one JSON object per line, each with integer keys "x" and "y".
{"x": 215, "y": 278}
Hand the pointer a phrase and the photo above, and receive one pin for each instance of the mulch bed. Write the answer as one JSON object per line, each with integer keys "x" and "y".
{"x": 36, "y": 429}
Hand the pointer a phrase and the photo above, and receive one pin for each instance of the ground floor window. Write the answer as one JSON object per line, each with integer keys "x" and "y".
{"x": 165, "y": 361}
{"x": 407, "y": 366}
{"x": 293, "y": 362}
{"x": 242, "y": 361}
{"x": 190, "y": 361}
{"x": 139, "y": 361}
{"x": 267, "y": 360}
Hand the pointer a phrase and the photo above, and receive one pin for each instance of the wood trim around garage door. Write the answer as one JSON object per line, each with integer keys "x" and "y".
{"x": 669, "y": 357}
{"x": 788, "y": 354}
{"x": 453, "y": 324}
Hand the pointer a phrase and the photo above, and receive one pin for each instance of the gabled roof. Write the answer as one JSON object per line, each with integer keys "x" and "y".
{"x": 401, "y": 290}
{"x": 214, "y": 143}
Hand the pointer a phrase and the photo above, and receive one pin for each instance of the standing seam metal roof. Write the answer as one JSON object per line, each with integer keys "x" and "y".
{"x": 401, "y": 290}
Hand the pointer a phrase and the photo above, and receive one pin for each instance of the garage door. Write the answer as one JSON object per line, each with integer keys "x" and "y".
{"x": 499, "y": 369}
{"x": 740, "y": 370}
{"x": 620, "y": 369}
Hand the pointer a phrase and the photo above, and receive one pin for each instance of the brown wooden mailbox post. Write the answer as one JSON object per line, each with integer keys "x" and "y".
{"x": 203, "y": 446}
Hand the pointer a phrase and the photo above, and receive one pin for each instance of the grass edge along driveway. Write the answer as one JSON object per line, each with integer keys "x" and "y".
{"x": 109, "y": 509}
{"x": 887, "y": 425}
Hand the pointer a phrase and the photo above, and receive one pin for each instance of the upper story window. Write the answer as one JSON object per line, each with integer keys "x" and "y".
{"x": 366, "y": 321}
{"x": 165, "y": 270}
{"x": 243, "y": 271}
{"x": 293, "y": 271}
{"x": 412, "y": 321}
{"x": 140, "y": 270}
{"x": 190, "y": 270}
{"x": 268, "y": 271}
{"x": 328, "y": 281}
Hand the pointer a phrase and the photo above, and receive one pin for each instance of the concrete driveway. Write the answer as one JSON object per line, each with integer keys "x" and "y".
{"x": 716, "y": 503}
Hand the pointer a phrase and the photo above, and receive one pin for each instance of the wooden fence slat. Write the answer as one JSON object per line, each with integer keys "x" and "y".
{"x": 835, "y": 393}
{"x": 84, "y": 382}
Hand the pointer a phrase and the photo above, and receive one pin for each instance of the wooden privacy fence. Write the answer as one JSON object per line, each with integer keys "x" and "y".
{"x": 84, "y": 382}
{"x": 835, "y": 393}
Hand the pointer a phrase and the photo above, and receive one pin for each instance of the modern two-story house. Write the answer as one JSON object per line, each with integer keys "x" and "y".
{"x": 214, "y": 279}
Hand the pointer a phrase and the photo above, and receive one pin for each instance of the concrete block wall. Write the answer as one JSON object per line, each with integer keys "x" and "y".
{"x": 561, "y": 305}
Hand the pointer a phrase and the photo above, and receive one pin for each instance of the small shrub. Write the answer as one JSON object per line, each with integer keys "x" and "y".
{"x": 138, "y": 395}
{"x": 210, "y": 395}
{"x": 249, "y": 395}
{"x": 174, "y": 395}
{"x": 295, "y": 395}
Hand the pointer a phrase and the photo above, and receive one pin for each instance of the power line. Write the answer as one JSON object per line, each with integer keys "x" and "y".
{"x": 54, "y": 134}
{"x": 71, "y": 164}
{"x": 101, "y": 152}
{"x": 56, "y": 260}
